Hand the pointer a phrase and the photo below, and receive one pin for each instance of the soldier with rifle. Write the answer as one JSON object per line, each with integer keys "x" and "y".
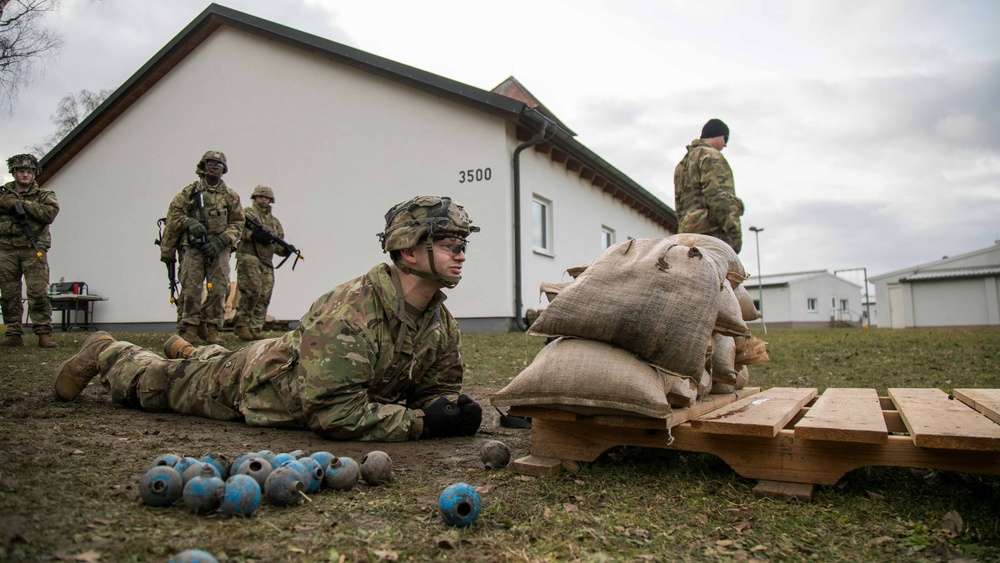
{"x": 26, "y": 211}
{"x": 262, "y": 238}
{"x": 204, "y": 222}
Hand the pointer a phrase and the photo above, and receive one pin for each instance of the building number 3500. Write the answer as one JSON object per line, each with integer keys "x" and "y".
{"x": 477, "y": 175}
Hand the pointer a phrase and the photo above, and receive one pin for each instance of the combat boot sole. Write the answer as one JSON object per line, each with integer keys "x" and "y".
{"x": 176, "y": 348}
{"x": 75, "y": 373}
{"x": 12, "y": 341}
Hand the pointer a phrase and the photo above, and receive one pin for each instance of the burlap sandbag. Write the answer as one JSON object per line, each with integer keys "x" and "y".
{"x": 730, "y": 320}
{"x": 717, "y": 249}
{"x": 742, "y": 377}
{"x": 653, "y": 297}
{"x": 553, "y": 289}
{"x": 748, "y": 310}
{"x": 589, "y": 378}
{"x": 724, "y": 359}
{"x": 751, "y": 350}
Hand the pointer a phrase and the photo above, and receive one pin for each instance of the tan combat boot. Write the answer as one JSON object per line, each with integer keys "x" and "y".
{"x": 45, "y": 341}
{"x": 189, "y": 333}
{"x": 177, "y": 348}
{"x": 243, "y": 333}
{"x": 12, "y": 340}
{"x": 202, "y": 333}
{"x": 256, "y": 335}
{"x": 212, "y": 336}
{"x": 75, "y": 373}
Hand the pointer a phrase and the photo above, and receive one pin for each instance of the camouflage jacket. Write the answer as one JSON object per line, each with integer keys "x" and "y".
{"x": 40, "y": 207}
{"x": 705, "y": 196}
{"x": 361, "y": 367}
{"x": 223, "y": 213}
{"x": 248, "y": 247}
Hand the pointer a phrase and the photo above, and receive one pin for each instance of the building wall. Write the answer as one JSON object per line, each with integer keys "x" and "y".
{"x": 338, "y": 145}
{"x": 787, "y": 305}
{"x": 959, "y": 302}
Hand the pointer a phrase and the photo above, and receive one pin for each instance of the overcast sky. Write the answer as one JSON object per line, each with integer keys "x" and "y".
{"x": 863, "y": 133}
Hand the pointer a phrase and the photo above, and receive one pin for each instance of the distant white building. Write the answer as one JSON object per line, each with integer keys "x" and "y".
{"x": 953, "y": 291}
{"x": 816, "y": 299}
{"x": 341, "y": 135}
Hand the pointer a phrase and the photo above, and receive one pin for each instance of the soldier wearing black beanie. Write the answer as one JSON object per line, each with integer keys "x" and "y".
{"x": 715, "y": 128}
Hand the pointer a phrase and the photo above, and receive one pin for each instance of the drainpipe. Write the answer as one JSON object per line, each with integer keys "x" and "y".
{"x": 538, "y": 138}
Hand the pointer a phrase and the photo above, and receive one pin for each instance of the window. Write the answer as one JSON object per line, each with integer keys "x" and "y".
{"x": 607, "y": 237}
{"x": 843, "y": 304}
{"x": 541, "y": 226}
{"x": 756, "y": 305}
{"x": 833, "y": 301}
{"x": 811, "y": 304}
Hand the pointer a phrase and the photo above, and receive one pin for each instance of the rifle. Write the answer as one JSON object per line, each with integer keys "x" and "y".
{"x": 202, "y": 240}
{"x": 20, "y": 219}
{"x": 171, "y": 266}
{"x": 264, "y": 236}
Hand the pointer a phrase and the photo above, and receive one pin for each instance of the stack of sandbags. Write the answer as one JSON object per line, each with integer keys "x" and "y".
{"x": 645, "y": 313}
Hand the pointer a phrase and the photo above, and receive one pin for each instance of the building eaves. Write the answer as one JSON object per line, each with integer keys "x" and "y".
{"x": 602, "y": 174}
{"x": 932, "y": 275}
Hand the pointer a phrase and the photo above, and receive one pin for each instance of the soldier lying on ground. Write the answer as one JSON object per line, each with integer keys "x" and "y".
{"x": 377, "y": 358}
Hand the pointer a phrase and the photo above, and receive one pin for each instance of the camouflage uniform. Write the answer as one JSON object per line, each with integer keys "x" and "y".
{"x": 358, "y": 367}
{"x": 254, "y": 270}
{"x": 223, "y": 215}
{"x": 705, "y": 197}
{"x": 18, "y": 259}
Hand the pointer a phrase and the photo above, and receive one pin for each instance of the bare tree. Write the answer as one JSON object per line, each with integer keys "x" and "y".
{"x": 24, "y": 42}
{"x": 72, "y": 109}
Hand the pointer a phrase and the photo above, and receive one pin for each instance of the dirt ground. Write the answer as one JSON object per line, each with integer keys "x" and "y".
{"x": 68, "y": 485}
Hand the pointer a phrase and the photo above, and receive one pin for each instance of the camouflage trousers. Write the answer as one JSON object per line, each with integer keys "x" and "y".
{"x": 17, "y": 263}
{"x": 255, "y": 281}
{"x": 255, "y": 383}
{"x": 193, "y": 274}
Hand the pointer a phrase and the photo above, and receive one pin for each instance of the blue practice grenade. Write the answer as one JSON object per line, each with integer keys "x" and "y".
{"x": 342, "y": 474}
{"x": 324, "y": 458}
{"x": 240, "y": 497}
{"x": 165, "y": 459}
{"x": 256, "y": 467}
{"x": 315, "y": 473}
{"x": 459, "y": 505}
{"x": 204, "y": 492}
{"x": 193, "y": 556}
{"x": 284, "y": 486}
{"x": 160, "y": 486}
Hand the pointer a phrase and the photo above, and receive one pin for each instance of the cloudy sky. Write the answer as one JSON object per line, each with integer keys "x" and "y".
{"x": 864, "y": 133}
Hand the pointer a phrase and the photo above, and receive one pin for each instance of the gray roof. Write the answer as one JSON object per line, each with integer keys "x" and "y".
{"x": 952, "y": 274}
{"x": 559, "y": 143}
{"x": 783, "y": 279}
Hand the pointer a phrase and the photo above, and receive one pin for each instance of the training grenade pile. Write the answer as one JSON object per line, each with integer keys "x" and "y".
{"x": 207, "y": 485}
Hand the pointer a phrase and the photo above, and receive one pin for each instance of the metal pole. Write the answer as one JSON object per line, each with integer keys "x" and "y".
{"x": 760, "y": 281}
{"x": 868, "y": 301}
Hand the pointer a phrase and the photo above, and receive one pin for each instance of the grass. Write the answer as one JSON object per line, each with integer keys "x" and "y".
{"x": 67, "y": 487}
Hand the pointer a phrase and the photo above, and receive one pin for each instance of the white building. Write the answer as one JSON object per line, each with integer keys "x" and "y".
{"x": 816, "y": 299}
{"x": 953, "y": 291}
{"x": 341, "y": 135}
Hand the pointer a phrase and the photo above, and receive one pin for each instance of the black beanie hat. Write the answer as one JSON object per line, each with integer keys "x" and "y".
{"x": 715, "y": 128}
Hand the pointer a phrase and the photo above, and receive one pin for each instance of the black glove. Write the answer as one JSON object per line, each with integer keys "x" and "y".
{"x": 167, "y": 255}
{"x": 261, "y": 236}
{"x": 194, "y": 227}
{"x": 472, "y": 416}
{"x": 213, "y": 247}
{"x": 7, "y": 201}
{"x": 441, "y": 419}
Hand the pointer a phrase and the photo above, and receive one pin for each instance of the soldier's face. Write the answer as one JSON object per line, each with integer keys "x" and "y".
{"x": 24, "y": 177}
{"x": 449, "y": 255}
{"x": 214, "y": 168}
{"x": 262, "y": 201}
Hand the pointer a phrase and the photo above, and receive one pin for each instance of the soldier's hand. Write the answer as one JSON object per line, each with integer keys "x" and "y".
{"x": 167, "y": 256}
{"x": 8, "y": 201}
{"x": 472, "y": 416}
{"x": 194, "y": 227}
{"x": 213, "y": 247}
{"x": 441, "y": 419}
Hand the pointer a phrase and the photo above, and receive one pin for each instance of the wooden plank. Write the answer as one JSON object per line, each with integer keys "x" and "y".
{"x": 935, "y": 420}
{"x": 762, "y": 415}
{"x": 986, "y": 401}
{"x": 537, "y": 466}
{"x": 845, "y": 415}
{"x": 784, "y": 491}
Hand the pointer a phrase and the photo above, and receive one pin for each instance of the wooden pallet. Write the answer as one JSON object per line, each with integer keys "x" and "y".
{"x": 790, "y": 435}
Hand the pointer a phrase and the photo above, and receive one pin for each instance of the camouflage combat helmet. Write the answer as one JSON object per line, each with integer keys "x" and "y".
{"x": 263, "y": 191}
{"x": 212, "y": 155}
{"x": 23, "y": 161}
{"x": 424, "y": 218}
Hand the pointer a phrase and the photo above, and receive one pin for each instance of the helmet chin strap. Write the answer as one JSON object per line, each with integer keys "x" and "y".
{"x": 448, "y": 281}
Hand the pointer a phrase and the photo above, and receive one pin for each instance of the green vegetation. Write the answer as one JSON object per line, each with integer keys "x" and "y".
{"x": 68, "y": 481}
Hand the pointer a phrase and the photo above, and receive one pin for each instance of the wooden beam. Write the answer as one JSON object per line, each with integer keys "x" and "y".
{"x": 936, "y": 420}
{"x": 845, "y": 415}
{"x": 574, "y": 165}
{"x": 559, "y": 156}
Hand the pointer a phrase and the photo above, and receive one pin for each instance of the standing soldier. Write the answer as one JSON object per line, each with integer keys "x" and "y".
{"x": 26, "y": 211}
{"x": 254, "y": 270}
{"x": 208, "y": 220}
{"x": 704, "y": 193}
